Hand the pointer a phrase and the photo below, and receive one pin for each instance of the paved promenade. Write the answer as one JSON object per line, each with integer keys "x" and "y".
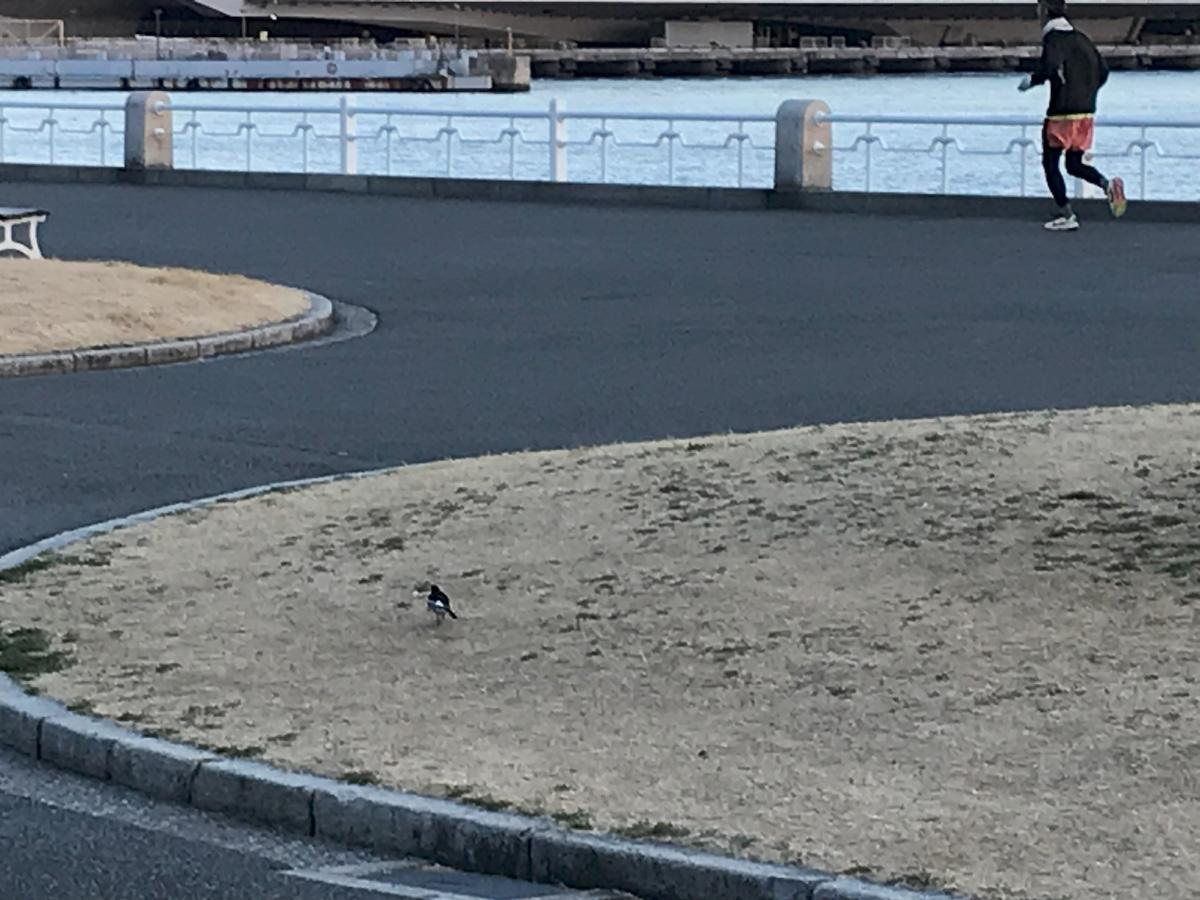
{"x": 508, "y": 326}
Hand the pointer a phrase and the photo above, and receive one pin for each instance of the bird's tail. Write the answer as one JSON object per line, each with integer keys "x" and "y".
{"x": 451, "y": 613}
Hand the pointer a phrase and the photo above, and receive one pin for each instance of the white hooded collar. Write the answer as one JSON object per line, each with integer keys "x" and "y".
{"x": 1057, "y": 24}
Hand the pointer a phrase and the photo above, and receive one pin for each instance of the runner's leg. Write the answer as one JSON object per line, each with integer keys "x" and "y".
{"x": 1077, "y": 168}
{"x": 1114, "y": 188}
{"x": 1054, "y": 178}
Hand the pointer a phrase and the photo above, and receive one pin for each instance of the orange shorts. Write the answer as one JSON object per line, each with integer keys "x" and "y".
{"x": 1069, "y": 133}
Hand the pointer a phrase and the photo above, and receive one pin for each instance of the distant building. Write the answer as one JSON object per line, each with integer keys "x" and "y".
{"x": 924, "y": 22}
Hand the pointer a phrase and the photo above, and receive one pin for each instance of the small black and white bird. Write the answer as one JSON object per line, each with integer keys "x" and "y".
{"x": 439, "y": 604}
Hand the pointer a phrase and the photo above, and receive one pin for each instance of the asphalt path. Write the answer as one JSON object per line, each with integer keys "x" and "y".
{"x": 63, "y": 837}
{"x": 506, "y": 326}
{"x": 67, "y": 837}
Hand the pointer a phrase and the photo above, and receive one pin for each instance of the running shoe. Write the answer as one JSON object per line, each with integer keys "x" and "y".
{"x": 1116, "y": 197}
{"x": 1063, "y": 223}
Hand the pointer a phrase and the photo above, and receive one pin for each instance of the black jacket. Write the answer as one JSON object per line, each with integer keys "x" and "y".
{"x": 1075, "y": 70}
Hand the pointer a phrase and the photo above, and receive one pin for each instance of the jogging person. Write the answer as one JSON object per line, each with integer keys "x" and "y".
{"x": 1075, "y": 70}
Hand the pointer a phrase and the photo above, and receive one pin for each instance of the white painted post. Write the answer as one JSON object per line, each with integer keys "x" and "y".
{"x": 558, "y": 141}
{"x": 803, "y": 146}
{"x": 348, "y": 137}
{"x": 149, "y": 139}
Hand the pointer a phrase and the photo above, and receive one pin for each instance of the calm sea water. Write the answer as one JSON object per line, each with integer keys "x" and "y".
{"x": 988, "y": 160}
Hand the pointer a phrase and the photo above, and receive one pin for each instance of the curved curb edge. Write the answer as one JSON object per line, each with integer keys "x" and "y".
{"x": 384, "y": 820}
{"x": 316, "y": 321}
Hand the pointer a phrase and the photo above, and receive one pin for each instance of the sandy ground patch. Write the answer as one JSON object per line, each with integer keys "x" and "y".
{"x": 955, "y": 652}
{"x": 54, "y": 305}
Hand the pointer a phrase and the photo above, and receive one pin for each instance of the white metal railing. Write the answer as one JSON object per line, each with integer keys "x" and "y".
{"x": 345, "y": 129}
{"x": 87, "y": 125}
{"x": 940, "y": 154}
{"x": 949, "y": 141}
{"x": 661, "y": 148}
{"x": 521, "y": 143}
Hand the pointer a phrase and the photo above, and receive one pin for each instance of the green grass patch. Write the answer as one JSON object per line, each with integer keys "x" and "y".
{"x": 359, "y": 776}
{"x": 163, "y": 733}
{"x": 1182, "y": 568}
{"x": 25, "y": 654}
{"x": 21, "y": 571}
{"x": 486, "y": 801}
{"x": 465, "y": 793}
{"x": 921, "y": 880}
{"x": 233, "y": 751}
{"x": 576, "y": 818}
{"x": 237, "y": 751}
{"x": 18, "y": 573}
{"x": 646, "y": 830}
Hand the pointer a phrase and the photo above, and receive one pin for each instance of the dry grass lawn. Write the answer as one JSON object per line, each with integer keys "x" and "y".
{"x": 52, "y": 305}
{"x": 956, "y": 652}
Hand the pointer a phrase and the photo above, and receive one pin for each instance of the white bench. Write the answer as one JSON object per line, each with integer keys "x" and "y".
{"x": 11, "y": 219}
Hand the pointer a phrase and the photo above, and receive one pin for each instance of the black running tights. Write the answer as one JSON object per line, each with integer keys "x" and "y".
{"x": 1076, "y": 168}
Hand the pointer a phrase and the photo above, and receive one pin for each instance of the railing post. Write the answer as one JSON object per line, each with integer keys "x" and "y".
{"x": 149, "y": 139}
{"x": 1142, "y": 165}
{"x": 1024, "y": 157}
{"x": 347, "y": 137}
{"x": 103, "y": 128}
{"x": 558, "y": 141}
{"x": 803, "y": 146}
{"x": 945, "y": 142}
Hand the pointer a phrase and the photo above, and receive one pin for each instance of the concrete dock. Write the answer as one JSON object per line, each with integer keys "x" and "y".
{"x": 219, "y": 64}
{"x": 826, "y": 59}
{"x": 214, "y": 64}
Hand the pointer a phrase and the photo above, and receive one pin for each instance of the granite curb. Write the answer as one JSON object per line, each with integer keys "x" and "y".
{"x": 384, "y": 820}
{"x": 316, "y": 321}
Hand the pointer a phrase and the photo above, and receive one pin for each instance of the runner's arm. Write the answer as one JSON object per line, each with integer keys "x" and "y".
{"x": 1047, "y": 64}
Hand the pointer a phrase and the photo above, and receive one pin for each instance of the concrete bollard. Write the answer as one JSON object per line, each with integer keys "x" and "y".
{"x": 803, "y": 146}
{"x": 149, "y": 140}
